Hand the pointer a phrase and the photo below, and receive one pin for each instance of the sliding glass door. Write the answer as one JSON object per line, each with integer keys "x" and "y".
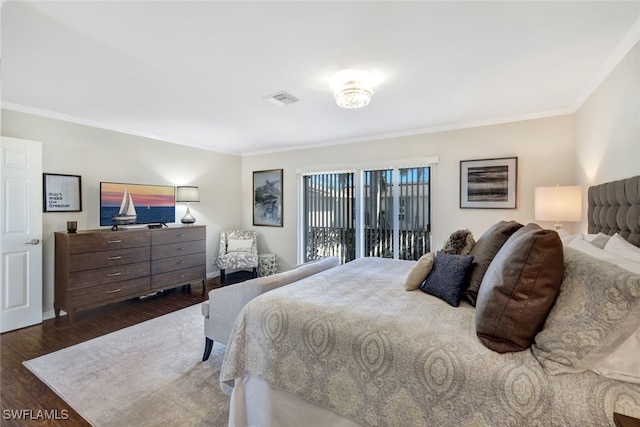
{"x": 329, "y": 216}
{"x": 384, "y": 213}
{"x": 396, "y": 213}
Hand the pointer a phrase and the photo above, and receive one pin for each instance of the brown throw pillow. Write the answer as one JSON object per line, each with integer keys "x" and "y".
{"x": 460, "y": 242}
{"x": 519, "y": 289}
{"x": 483, "y": 252}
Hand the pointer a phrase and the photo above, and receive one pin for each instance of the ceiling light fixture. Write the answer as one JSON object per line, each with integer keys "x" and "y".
{"x": 353, "y": 88}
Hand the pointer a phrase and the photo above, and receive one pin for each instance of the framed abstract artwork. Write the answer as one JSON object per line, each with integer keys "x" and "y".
{"x": 267, "y": 197}
{"x": 488, "y": 183}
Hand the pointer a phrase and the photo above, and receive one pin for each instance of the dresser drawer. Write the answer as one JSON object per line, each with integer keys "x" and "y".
{"x": 98, "y": 267}
{"x": 182, "y": 234}
{"x": 103, "y": 276}
{"x": 177, "y": 249}
{"x": 93, "y": 260}
{"x": 96, "y": 295}
{"x": 97, "y": 242}
{"x": 178, "y": 277}
{"x": 178, "y": 263}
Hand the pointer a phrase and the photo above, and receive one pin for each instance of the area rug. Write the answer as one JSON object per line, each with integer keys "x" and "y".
{"x": 150, "y": 374}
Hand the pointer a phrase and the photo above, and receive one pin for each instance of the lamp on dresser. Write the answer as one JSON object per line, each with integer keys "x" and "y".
{"x": 558, "y": 203}
{"x": 187, "y": 194}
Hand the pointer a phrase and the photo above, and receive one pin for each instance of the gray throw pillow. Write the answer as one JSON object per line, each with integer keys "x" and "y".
{"x": 483, "y": 252}
{"x": 448, "y": 277}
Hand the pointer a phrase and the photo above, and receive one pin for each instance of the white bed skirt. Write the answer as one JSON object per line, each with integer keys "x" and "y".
{"x": 254, "y": 403}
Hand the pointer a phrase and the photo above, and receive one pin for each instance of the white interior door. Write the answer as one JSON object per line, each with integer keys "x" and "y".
{"x": 21, "y": 233}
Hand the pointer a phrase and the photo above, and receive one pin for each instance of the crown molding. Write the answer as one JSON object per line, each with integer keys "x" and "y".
{"x": 627, "y": 43}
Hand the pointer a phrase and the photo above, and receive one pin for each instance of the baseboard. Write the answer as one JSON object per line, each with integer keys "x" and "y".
{"x": 50, "y": 314}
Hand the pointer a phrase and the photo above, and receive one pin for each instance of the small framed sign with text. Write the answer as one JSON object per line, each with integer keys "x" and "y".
{"x": 62, "y": 193}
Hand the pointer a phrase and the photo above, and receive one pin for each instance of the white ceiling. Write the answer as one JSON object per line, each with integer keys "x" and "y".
{"x": 196, "y": 73}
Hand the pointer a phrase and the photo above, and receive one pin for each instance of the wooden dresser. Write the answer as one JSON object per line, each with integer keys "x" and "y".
{"x": 98, "y": 267}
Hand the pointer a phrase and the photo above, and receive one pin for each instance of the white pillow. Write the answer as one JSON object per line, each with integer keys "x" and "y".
{"x": 590, "y": 249}
{"x": 568, "y": 238}
{"x": 623, "y": 364}
{"x": 599, "y": 240}
{"x": 239, "y": 245}
{"x": 619, "y": 246}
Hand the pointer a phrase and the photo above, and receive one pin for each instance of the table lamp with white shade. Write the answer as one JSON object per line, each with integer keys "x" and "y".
{"x": 558, "y": 204}
{"x": 187, "y": 194}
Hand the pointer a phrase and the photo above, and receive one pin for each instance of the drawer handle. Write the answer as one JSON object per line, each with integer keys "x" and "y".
{"x": 180, "y": 249}
{"x": 114, "y": 274}
{"x": 180, "y": 235}
{"x": 114, "y": 291}
{"x": 180, "y": 276}
{"x": 180, "y": 262}
{"x": 114, "y": 241}
{"x": 111, "y": 258}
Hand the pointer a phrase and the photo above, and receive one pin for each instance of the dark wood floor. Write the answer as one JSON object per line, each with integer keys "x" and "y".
{"x": 23, "y": 392}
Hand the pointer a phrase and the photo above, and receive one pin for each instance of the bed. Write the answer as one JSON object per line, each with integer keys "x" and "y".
{"x": 350, "y": 346}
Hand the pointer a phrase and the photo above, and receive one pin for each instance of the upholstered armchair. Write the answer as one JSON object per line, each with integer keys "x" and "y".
{"x": 238, "y": 250}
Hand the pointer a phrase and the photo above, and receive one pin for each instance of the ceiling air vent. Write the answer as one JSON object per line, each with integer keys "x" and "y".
{"x": 282, "y": 98}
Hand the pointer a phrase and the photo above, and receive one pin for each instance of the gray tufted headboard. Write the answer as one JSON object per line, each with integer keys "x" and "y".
{"x": 614, "y": 207}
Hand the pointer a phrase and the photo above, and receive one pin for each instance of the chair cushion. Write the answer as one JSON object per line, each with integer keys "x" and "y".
{"x": 239, "y": 245}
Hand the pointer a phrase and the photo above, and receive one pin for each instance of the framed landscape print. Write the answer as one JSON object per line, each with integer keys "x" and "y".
{"x": 267, "y": 198}
{"x": 488, "y": 183}
{"x": 62, "y": 193}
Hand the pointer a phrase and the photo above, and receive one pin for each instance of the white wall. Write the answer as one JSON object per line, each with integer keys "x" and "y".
{"x": 608, "y": 127}
{"x": 600, "y": 143}
{"x": 102, "y": 155}
{"x": 544, "y": 147}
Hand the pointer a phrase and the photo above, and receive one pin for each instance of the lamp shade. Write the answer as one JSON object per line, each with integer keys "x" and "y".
{"x": 559, "y": 203}
{"x": 187, "y": 194}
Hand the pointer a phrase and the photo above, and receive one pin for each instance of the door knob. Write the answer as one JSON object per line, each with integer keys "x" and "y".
{"x": 33, "y": 242}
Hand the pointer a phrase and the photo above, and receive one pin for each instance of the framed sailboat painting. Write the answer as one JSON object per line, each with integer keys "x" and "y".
{"x": 125, "y": 204}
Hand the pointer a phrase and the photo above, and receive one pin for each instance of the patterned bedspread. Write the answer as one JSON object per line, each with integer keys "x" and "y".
{"x": 352, "y": 340}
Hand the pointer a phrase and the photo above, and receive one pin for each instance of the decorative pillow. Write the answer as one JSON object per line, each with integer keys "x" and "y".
{"x": 619, "y": 246}
{"x": 589, "y": 249}
{"x": 623, "y": 364}
{"x": 519, "y": 288}
{"x": 420, "y": 271}
{"x": 483, "y": 252}
{"x": 459, "y": 243}
{"x": 599, "y": 240}
{"x": 239, "y": 245}
{"x": 448, "y": 277}
{"x": 597, "y": 309}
